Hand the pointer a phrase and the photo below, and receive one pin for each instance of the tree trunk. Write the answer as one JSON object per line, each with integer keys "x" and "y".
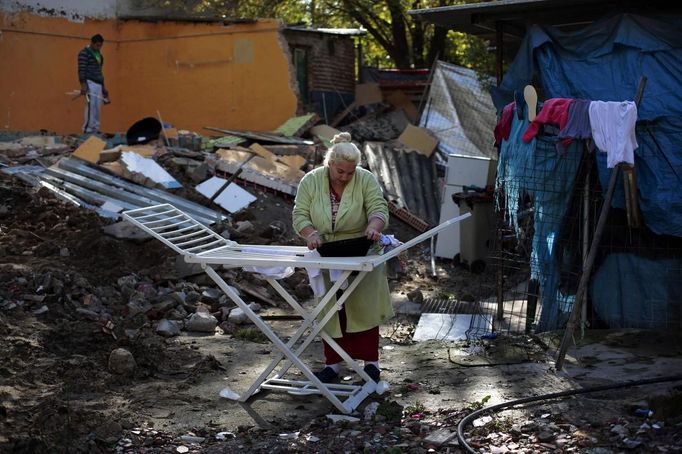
{"x": 402, "y": 52}
{"x": 437, "y": 46}
{"x": 418, "y": 44}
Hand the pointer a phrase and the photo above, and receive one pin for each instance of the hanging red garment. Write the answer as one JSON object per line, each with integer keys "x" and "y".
{"x": 503, "y": 127}
{"x": 553, "y": 111}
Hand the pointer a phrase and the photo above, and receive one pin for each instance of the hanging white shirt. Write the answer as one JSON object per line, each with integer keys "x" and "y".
{"x": 613, "y": 130}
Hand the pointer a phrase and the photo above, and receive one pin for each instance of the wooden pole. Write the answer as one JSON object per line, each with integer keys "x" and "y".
{"x": 427, "y": 88}
{"x": 592, "y": 255}
{"x": 163, "y": 129}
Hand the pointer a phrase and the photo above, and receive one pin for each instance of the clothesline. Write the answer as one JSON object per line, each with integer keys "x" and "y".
{"x": 610, "y": 124}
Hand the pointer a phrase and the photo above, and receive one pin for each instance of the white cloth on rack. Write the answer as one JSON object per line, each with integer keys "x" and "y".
{"x": 277, "y": 272}
{"x": 613, "y": 130}
{"x": 316, "y": 279}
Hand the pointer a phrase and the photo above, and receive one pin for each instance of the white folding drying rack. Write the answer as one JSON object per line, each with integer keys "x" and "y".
{"x": 199, "y": 244}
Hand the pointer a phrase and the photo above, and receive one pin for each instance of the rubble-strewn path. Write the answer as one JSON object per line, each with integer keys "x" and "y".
{"x": 71, "y": 295}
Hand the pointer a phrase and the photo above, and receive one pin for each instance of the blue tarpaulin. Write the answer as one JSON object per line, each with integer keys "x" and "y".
{"x": 632, "y": 301}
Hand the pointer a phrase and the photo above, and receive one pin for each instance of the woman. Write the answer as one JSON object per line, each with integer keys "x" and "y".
{"x": 334, "y": 202}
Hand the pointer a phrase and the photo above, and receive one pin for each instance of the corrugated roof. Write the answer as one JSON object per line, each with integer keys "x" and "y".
{"x": 513, "y": 17}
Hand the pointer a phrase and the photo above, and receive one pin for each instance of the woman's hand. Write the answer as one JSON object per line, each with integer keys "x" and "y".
{"x": 373, "y": 234}
{"x": 374, "y": 228}
{"x": 313, "y": 240}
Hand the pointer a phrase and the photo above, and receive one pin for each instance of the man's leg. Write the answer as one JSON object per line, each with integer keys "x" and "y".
{"x": 92, "y": 108}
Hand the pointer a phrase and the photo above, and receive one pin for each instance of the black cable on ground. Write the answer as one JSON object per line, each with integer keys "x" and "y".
{"x": 572, "y": 392}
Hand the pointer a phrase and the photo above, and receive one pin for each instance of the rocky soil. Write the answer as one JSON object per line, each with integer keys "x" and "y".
{"x": 86, "y": 366}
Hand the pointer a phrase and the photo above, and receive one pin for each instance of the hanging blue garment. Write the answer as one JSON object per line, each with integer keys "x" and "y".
{"x": 536, "y": 170}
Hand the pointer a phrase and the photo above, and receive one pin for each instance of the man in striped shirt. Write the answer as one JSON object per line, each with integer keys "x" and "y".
{"x": 91, "y": 78}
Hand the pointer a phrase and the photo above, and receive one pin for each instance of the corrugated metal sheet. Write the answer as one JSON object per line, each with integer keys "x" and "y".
{"x": 94, "y": 188}
{"x": 409, "y": 179}
{"x": 262, "y": 137}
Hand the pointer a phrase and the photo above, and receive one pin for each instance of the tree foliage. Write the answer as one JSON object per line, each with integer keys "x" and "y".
{"x": 394, "y": 39}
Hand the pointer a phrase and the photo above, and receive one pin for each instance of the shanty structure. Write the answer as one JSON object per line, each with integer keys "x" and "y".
{"x": 628, "y": 266}
{"x": 504, "y": 23}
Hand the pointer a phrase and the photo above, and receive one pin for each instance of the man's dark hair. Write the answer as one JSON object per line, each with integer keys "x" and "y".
{"x": 97, "y": 39}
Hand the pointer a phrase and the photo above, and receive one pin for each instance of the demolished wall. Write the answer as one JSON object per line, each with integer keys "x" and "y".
{"x": 194, "y": 73}
{"x": 330, "y": 69}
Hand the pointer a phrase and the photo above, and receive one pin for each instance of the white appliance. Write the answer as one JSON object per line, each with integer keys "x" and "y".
{"x": 461, "y": 171}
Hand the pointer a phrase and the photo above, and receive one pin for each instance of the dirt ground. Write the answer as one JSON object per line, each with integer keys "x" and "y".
{"x": 70, "y": 295}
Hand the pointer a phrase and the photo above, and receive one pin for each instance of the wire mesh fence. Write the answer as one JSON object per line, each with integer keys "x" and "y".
{"x": 549, "y": 197}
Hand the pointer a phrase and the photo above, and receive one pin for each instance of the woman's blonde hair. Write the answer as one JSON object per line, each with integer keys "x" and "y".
{"x": 342, "y": 149}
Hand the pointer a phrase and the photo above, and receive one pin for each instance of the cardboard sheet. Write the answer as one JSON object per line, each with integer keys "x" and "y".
{"x": 90, "y": 149}
{"x": 419, "y": 139}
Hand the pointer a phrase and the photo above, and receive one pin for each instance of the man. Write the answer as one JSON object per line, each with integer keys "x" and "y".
{"x": 90, "y": 61}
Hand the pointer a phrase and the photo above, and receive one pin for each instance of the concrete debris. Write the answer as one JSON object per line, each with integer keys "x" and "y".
{"x": 125, "y": 230}
{"x": 244, "y": 226}
{"x": 147, "y": 172}
{"x": 184, "y": 269}
{"x": 201, "y": 322}
{"x": 439, "y": 437}
{"x": 370, "y": 410}
{"x": 121, "y": 362}
{"x": 238, "y": 316}
{"x": 198, "y": 173}
{"x": 416, "y": 296}
{"x": 343, "y": 418}
{"x": 192, "y": 439}
{"x": 167, "y": 328}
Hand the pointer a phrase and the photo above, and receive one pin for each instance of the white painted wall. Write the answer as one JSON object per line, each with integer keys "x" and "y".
{"x": 76, "y": 10}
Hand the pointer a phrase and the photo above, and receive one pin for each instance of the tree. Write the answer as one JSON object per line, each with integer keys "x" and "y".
{"x": 395, "y": 38}
{"x": 407, "y": 42}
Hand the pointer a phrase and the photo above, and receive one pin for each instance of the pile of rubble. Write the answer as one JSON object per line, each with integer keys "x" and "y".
{"x": 213, "y": 177}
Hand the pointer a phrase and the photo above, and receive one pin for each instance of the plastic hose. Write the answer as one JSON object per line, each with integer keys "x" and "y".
{"x": 572, "y": 392}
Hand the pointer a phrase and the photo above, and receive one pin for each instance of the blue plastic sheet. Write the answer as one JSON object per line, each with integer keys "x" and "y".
{"x": 631, "y": 301}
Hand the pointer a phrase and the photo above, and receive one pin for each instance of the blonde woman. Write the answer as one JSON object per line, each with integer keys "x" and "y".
{"x": 339, "y": 201}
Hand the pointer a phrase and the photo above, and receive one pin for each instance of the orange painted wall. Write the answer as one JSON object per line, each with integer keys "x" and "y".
{"x": 194, "y": 74}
